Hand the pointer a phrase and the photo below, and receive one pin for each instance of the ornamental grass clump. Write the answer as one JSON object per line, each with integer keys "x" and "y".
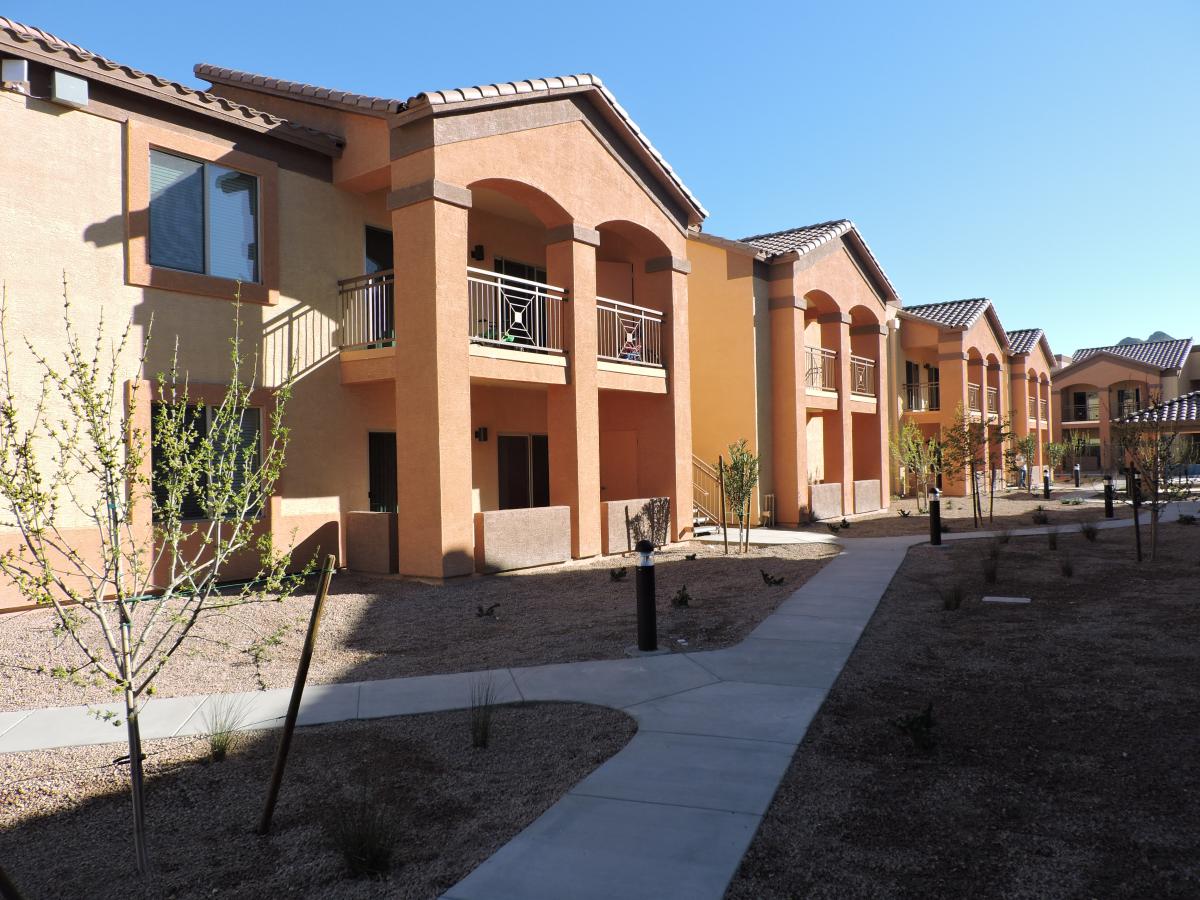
{"x": 366, "y": 837}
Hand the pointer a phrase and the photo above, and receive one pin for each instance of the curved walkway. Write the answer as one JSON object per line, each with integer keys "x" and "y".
{"x": 672, "y": 813}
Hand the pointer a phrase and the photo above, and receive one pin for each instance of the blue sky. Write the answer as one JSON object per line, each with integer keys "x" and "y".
{"x": 1042, "y": 155}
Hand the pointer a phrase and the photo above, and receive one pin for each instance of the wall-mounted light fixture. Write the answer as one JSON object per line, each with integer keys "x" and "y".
{"x": 477, "y": 253}
{"x": 481, "y": 434}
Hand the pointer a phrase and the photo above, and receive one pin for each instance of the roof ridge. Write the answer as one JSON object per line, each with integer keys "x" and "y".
{"x": 1138, "y": 344}
{"x": 204, "y": 101}
{"x": 223, "y": 74}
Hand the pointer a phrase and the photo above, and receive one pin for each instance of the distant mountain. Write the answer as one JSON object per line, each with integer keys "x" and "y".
{"x": 1157, "y": 336}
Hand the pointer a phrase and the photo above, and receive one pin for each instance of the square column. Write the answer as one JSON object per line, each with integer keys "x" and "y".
{"x": 573, "y": 409}
{"x": 433, "y": 388}
{"x": 842, "y": 443}
{"x": 789, "y": 437}
{"x": 953, "y": 369}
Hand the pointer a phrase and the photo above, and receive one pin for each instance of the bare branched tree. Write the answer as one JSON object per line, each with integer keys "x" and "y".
{"x": 741, "y": 478}
{"x": 964, "y": 451}
{"x": 128, "y": 536}
{"x": 920, "y": 458}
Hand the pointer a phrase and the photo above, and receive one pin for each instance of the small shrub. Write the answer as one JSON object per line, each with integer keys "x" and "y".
{"x": 222, "y": 717}
{"x": 1052, "y": 538}
{"x": 991, "y": 566}
{"x": 1090, "y": 532}
{"x": 952, "y": 598}
{"x": 682, "y": 598}
{"x": 1066, "y": 566}
{"x": 1187, "y": 519}
{"x": 1004, "y": 536}
{"x": 366, "y": 837}
{"x": 1071, "y": 502}
{"x": 918, "y": 727}
{"x": 1040, "y": 517}
{"x": 483, "y": 709}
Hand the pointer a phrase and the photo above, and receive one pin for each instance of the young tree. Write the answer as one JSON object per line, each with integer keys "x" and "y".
{"x": 741, "y": 478}
{"x": 77, "y": 457}
{"x": 964, "y": 447}
{"x": 919, "y": 457}
{"x": 1056, "y": 452}
{"x": 1020, "y": 453}
{"x": 1151, "y": 446}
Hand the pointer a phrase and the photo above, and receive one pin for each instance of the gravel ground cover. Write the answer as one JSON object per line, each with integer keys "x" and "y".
{"x": 1013, "y": 509}
{"x": 67, "y": 835}
{"x": 1064, "y": 734}
{"x": 389, "y": 627}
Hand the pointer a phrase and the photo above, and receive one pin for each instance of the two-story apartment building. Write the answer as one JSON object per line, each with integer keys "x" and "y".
{"x": 956, "y": 355}
{"x": 789, "y": 341}
{"x": 1100, "y": 384}
{"x": 483, "y": 291}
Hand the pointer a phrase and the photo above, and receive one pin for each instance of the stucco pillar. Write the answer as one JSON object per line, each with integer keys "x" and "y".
{"x": 883, "y": 407}
{"x": 433, "y": 387}
{"x": 573, "y": 409}
{"x": 667, "y": 453}
{"x": 995, "y": 451}
{"x": 789, "y": 435}
{"x": 843, "y": 443}
{"x": 953, "y": 370}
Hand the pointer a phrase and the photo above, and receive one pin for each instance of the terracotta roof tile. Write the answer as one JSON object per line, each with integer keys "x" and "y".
{"x": 17, "y": 37}
{"x": 1161, "y": 354}
{"x": 807, "y": 238}
{"x": 1184, "y": 408}
{"x": 952, "y": 313}
{"x": 359, "y": 102}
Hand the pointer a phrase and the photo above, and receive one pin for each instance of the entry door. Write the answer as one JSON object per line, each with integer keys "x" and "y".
{"x": 524, "y": 470}
{"x": 381, "y": 452}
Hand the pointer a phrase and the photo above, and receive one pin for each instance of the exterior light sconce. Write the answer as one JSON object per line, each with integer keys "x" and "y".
{"x": 477, "y": 253}
{"x": 481, "y": 435}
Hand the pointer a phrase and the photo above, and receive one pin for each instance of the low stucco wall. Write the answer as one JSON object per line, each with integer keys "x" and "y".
{"x": 372, "y": 544}
{"x": 867, "y": 495}
{"x": 827, "y": 500}
{"x": 519, "y": 538}
{"x": 613, "y": 534}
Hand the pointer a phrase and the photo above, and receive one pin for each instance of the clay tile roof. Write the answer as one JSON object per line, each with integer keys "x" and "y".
{"x": 1024, "y": 339}
{"x": 953, "y": 313}
{"x": 55, "y": 51}
{"x": 1160, "y": 354}
{"x": 530, "y": 87}
{"x": 1184, "y": 408}
{"x": 807, "y": 238}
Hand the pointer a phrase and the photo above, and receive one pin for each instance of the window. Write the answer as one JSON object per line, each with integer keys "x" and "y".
{"x": 203, "y": 218}
{"x": 378, "y": 247}
{"x": 200, "y": 418}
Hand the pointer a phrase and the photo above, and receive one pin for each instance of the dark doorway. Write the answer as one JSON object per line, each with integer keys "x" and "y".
{"x": 381, "y": 452}
{"x": 378, "y": 246}
{"x": 524, "y": 470}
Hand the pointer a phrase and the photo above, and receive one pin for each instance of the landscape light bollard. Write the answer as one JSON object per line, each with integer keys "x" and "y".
{"x": 1108, "y": 497}
{"x": 1045, "y": 484}
{"x": 647, "y": 626}
{"x": 1076, "y": 474}
{"x": 935, "y": 518}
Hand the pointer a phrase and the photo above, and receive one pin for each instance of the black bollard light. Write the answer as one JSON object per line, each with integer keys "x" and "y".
{"x": 647, "y": 625}
{"x": 935, "y": 518}
{"x": 1046, "y": 484}
{"x": 1076, "y": 474}
{"x": 1108, "y": 497}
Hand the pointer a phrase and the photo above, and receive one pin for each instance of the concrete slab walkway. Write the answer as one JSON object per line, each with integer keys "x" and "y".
{"x": 672, "y": 813}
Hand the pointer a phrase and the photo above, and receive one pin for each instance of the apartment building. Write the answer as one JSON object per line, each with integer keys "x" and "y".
{"x": 484, "y": 290}
{"x": 1100, "y": 384}
{"x": 790, "y": 346}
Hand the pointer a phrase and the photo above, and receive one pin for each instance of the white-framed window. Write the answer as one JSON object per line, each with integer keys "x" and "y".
{"x": 203, "y": 217}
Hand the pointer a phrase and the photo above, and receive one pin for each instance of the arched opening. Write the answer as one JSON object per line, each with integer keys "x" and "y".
{"x": 976, "y": 379}
{"x": 868, "y": 447}
{"x": 821, "y": 339}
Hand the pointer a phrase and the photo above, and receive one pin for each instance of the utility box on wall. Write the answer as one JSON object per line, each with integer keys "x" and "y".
{"x": 68, "y": 90}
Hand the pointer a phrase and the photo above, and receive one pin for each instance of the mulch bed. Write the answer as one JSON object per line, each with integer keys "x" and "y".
{"x": 390, "y": 627}
{"x": 1066, "y": 733}
{"x": 67, "y": 835}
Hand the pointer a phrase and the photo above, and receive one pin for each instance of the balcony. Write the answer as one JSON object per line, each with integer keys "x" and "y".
{"x": 514, "y": 313}
{"x": 820, "y": 368}
{"x": 862, "y": 376}
{"x": 993, "y": 401}
{"x": 628, "y": 334}
{"x": 367, "y": 311}
{"x": 973, "y": 398}
{"x": 1078, "y": 412}
{"x": 1031, "y": 404}
{"x": 1044, "y": 410}
{"x": 922, "y": 397}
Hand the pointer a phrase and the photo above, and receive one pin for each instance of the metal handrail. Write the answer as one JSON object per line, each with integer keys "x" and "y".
{"x": 628, "y": 333}
{"x": 993, "y": 401}
{"x": 820, "y": 368}
{"x": 705, "y": 489}
{"x": 973, "y": 397}
{"x": 368, "y": 314}
{"x": 862, "y": 376}
{"x": 922, "y": 397}
{"x": 516, "y": 313}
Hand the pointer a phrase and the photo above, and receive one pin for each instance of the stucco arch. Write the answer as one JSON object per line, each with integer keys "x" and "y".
{"x": 546, "y": 209}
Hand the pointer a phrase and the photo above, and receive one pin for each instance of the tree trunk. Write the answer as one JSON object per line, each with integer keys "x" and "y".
{"x": 133, "y": 728}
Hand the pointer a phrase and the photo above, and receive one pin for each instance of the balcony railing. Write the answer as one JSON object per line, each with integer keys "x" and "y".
{"x": 1032, "y": 406}
{"x": 993, "y": 401}
{"x": 820, "y": 368}
{"x": 922, "y": 397}
{"x": 368, "y": 311}
{"x": 628, "y": 333}
{"x": 1084, "y": 412}
{"x": 973, "y": 397}
{"x": 514, "y": 312}
{"x": 862, "y": 376}
{"x": 1044, "y": 410}
{"x": 1127, "y": 408}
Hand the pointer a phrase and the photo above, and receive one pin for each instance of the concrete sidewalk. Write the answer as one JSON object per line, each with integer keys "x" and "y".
{"x": 672, "y": 813}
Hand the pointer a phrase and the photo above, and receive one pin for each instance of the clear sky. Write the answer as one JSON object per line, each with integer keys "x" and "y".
{"x": 1044, "y": 155}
